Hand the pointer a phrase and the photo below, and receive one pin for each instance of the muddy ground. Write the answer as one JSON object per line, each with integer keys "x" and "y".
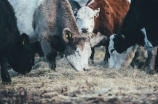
{"x": 66, "y": 86}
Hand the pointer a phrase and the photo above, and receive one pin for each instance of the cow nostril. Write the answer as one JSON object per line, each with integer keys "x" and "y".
{"x": 84, "y": 30}
{"x": 112, "y": 50}
{"x": 85, "y": 69}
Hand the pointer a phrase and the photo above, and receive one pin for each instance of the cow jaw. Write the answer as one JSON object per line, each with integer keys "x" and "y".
{"x": 85, "y": 19}
{"x": 78, "y": 59}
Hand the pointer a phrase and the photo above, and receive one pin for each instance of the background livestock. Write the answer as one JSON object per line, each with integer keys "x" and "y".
{"x": 66, "y": 86}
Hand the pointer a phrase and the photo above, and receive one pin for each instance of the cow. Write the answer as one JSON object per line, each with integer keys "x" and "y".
{"x": 24, "y": 10}
{"x": 103, "y": 16}
{"x": 142, "y": 15}
{"x": 56, "y": 29}
{"x": 14, "y": 48}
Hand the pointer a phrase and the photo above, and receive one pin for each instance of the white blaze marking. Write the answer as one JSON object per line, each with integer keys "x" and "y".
{"x": 85, "y": 18}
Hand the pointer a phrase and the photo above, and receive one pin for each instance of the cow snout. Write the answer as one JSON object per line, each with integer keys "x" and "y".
{"x": 84, "y": 30}
{"x": 85, "y": 69}
{"x": 112, "y": 50}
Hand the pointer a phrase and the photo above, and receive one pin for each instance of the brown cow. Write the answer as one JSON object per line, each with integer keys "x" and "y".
{"x": 104, "y": 16}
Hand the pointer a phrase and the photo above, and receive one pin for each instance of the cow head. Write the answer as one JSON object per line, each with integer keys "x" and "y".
{"x": 77, "y": 50}
{"x": 21, "y": 56}
{"x": 119, "y": 60}
{"x": 85, "y": 19}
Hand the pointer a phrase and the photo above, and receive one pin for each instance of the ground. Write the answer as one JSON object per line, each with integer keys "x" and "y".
{"x": 99, "y": 85}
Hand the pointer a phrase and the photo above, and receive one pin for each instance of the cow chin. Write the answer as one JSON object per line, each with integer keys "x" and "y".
{"x": 78, "y": 62}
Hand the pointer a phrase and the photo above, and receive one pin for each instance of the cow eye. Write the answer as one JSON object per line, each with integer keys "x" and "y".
{"x": 123, "y": 36}
{"x": 91, "y": 17}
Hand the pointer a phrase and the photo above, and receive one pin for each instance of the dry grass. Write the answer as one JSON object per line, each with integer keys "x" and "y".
{"x": 66, "y": 85}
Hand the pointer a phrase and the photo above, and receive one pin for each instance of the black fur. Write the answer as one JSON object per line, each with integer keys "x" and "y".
{"x": 142, "y": 14}
{"x": 36, "y": 48}
{"x": 12, "y": 49}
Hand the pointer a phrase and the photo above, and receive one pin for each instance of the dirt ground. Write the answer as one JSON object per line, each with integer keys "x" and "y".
{"x": 65, "y": 86}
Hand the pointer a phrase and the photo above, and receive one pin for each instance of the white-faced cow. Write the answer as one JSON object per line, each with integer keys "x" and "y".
{"x": 14, "y": 48}
{"x": 142, "y": 14}
{"x": 51, "y": 23}
{"x": 56, "y": 29}
{"x": 104, "y": 16}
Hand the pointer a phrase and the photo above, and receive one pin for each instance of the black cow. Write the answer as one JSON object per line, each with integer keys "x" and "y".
{"x": 142, "y": 14}
{"x": 14, "y": 48}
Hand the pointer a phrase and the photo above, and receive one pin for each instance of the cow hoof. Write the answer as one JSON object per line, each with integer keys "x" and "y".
{"x": 105, "y": 64}
{"x": 7, "y": 80}
{"x": 150, "y": 72}
{"x": 91, "y": 62}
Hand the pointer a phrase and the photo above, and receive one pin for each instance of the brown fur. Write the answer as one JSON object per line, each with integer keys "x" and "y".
{"x": 111, "y": 15}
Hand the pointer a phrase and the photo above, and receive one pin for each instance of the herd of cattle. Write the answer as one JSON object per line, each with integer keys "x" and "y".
{"x": 126, "y": 28}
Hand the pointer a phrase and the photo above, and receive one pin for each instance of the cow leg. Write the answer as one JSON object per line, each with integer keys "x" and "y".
{"x": 107, "y": 55}
{"x": 92, "y": 55}
{"x": 152, "y": 53}
{"x": 52, "y": 59}
{"x": 49, "y": 53}
{"x": 4, "y": 71}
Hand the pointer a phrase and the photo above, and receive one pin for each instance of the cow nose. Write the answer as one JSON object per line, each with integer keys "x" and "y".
{"x": 84, "y": 30}
{"x": 85, "y": 69}
{"x": 112, "y": 50}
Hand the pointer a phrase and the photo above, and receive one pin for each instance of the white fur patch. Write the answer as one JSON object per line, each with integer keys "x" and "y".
{"x": 147, "y": 43}
{"x": 122, "y": 60}
{"x": 79, "y": 60}
{"x": 92, "y": 1}
{"x": 24, "y": 10}
{"x": 85, "y": 18}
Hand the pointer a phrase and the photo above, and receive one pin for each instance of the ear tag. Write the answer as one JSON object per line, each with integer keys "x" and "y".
{"x": 69, "y": 34}
{"x": 23, "y": 41}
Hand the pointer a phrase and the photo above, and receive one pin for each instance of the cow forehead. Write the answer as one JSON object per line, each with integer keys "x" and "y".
{"x": 85, "y": 12}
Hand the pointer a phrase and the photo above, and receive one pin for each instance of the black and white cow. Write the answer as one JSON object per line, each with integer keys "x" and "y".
{"x": 139, "y": 24}
{"x": 14, "y": 49}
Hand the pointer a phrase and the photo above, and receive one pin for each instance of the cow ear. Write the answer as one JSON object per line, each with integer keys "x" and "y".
{"x": 67, "y": 35}
{"x": 96, "y": 12}
{"x": 75, "y": 12}
{"x": 24, "y": 39}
